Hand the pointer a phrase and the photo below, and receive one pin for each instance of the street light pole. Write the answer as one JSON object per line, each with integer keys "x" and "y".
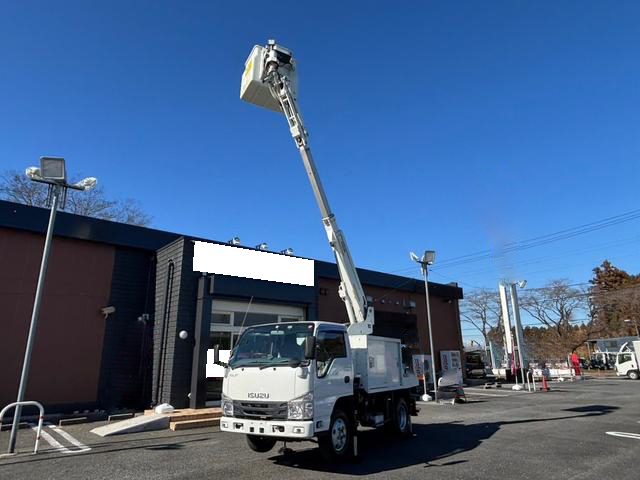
{"x": 34, "y": 318}
{"x": 427, "y": 259}
{"x": 52, "y": 172}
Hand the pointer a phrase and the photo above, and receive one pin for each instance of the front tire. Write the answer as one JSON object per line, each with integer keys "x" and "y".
{"x": 260, "y": 444}
{"x": 633, "y": 375}
{"x": 337, "y": 443}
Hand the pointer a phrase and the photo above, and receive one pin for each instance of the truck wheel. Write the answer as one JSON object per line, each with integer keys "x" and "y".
{"x": 400, "y": 421}
{"x": 260, "y": 444}
{"x": 337, "y": 443}
{"x": 633, "y": 375}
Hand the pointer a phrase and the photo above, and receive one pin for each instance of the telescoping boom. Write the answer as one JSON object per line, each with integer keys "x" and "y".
{"x": 270, "y": 81}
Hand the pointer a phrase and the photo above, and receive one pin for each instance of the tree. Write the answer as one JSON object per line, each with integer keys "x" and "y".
{"x": 16, "y": 187}
{"x": 481, "y": 309}
{"x": 615, "y": 297}
{"x": 555, "y": 308}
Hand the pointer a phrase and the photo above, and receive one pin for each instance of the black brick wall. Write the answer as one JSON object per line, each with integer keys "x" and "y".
{"x": 176, "y": 311}
{"x": 125, "y": 374}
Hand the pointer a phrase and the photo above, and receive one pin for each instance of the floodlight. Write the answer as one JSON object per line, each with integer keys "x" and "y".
{"x": 288, "y": 251}
{"x": 234, "y": 241}
{"x": 33, "y": 173}
{"x": 429, "y": 257}
{"x": 53, "y": 169}
{"x": 414, "y": 257}
{"x": 523, "y": 283}
{"x": 262, "y": 246}
{"x": 86, "y": 183}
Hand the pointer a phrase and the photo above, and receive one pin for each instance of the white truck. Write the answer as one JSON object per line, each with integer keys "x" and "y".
{"x": 304, "y": 381}
{"x": 627, "y": 363}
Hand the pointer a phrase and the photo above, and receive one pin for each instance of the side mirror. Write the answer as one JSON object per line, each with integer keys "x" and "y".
{"x": 216, "y": 354}
{"x": 310, "y": 348}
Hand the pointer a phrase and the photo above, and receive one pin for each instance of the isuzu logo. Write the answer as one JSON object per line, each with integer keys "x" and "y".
{"x": 257, "y": 395}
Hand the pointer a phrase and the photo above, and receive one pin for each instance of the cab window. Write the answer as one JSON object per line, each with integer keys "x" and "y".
{"x": 329, "y": 346}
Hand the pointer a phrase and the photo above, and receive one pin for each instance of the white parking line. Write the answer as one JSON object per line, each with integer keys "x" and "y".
{"x": 635, "y": 436}
{"x": 71, "y": 439}
{"x": 487, "y": 394}
{"x": 57, "y": 445}
{"x": 50, "y": 440}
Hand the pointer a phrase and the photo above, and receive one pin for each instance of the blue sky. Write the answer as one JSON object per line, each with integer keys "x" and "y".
{"x": 444, "y": 125}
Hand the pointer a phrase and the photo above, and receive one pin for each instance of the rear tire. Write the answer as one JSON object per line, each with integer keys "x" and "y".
{"x": 633, "y": 375}
{"x": 400, "y": 421}
{"x": 260, "y": 444}
{"x": 337, "y": 443}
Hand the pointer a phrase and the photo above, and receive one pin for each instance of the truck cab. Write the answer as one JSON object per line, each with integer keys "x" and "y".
{"x": 302, "y": 380}
{"x": 627, "y": 361}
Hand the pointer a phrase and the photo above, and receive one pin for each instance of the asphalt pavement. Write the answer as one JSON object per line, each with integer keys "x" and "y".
{"x": 500, "y": 433}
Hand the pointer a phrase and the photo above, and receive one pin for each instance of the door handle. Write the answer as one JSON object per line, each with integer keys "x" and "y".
{"x": 346, "y": 379}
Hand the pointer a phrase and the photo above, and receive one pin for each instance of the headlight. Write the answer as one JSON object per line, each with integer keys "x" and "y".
{"x": 301, "y": 408}
{"x": 227, "y": 406}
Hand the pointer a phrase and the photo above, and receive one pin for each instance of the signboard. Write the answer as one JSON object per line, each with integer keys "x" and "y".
{"x": 422, "y": 367}
{"x": 451, "y": 360}
{"x": 249, "y": 263}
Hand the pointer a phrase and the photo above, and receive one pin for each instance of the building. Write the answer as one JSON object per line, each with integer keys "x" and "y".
{"x": 133, "y": 357}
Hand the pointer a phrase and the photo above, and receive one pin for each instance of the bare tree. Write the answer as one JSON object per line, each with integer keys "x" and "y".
{"x": 481, "y": 309}
{"x": 16, "y": 187}
{"x": 553, "y": 305}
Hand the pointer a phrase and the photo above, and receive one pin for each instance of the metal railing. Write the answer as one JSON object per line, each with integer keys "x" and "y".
{"x": 40, "y": 419}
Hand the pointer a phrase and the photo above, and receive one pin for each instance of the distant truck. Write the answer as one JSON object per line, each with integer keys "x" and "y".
{"x": 627, "y": 363}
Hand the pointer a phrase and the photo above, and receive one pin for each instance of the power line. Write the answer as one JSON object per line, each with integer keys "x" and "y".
{"x": 540, "y": 240}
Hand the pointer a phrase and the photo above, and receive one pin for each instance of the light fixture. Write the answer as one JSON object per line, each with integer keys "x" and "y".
{"x": 53, "y": 169}
{"x": 522, "y": 283}
{"x": 86, "y": 183}
{"x": 288, "y": 251}
{"x": 428, "y": 258}
{"x": 234, "y": 241}
{"x": 33, "y": 173}
{"x": 262, "y": 246}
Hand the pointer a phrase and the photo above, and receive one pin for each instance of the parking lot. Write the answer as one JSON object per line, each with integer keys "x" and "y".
{"x": 498, "y": 434}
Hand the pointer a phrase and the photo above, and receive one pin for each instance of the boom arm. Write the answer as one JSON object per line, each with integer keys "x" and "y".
{"x": 360, "y": 313}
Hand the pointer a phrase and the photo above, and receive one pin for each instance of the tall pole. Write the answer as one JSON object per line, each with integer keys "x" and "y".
{"x": 504, "y": 305}
{"x": 34, "y": 317}
{"x": 516, "y": 319}
{"x": 425, "y": 272}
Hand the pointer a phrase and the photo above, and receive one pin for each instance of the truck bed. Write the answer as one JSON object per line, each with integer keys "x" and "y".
{"x": 378, "y": 364}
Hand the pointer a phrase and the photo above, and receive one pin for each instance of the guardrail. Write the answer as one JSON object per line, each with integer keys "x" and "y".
{"x": 40, "y": 419}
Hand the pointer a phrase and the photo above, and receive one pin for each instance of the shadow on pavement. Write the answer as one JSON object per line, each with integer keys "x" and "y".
{"x": 431, "y": 443}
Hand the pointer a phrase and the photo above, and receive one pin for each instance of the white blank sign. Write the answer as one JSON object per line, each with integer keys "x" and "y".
{"x": 246, "y": 263}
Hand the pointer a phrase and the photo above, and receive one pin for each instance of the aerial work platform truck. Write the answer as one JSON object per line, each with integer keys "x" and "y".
{"x": 316, "y": 381}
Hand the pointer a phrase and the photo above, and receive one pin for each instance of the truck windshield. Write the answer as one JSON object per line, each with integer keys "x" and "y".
{"x": 267, "y": 345}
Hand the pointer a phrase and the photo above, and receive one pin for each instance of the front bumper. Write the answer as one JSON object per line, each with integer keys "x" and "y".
{"x": 268, "y": 428}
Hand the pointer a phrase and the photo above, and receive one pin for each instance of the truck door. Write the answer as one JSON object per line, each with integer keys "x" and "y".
{"x": 334, "y": 374}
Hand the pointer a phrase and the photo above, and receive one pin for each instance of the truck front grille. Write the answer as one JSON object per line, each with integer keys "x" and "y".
{"x": 260, "y": 410}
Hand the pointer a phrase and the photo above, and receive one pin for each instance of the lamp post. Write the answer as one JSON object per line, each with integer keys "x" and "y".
{"x": 52, "y": 171}
{"x": 428, "y": 258}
